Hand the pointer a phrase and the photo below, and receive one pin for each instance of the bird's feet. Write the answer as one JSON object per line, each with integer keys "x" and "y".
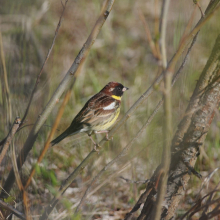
{"x": 95, "y": 148}
{"x": 104, "y": 131}
{"x": 109, "y": 139}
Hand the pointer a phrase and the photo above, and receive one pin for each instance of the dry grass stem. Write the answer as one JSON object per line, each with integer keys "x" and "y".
{"x": 9, "y": 138}
{"x": 167, "y": 128}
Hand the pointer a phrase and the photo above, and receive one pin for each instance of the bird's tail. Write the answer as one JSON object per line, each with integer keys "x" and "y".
{"x": 61, "y": 137}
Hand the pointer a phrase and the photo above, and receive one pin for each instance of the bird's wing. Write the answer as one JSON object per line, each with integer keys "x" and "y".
{"x": 98, "y": 109}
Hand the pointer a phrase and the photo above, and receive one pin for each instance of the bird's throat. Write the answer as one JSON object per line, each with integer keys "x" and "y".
{"x": 116, "y": 97}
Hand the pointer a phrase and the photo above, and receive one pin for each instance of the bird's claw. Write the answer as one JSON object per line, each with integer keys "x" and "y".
{"x": 95, "y": 147}
{"x": 107, "y": 138}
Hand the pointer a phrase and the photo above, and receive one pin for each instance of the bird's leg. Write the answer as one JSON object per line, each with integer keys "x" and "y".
{"x": 95, "y": 144}
{"x": 104, "y": 131}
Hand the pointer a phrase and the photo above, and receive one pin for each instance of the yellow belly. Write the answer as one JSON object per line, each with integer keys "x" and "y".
{"x": 107, "y": 124}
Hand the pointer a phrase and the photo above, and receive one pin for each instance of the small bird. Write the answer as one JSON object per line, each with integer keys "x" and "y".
{"x": 98, "y": 114}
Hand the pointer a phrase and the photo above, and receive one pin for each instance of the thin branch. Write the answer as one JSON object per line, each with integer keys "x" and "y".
{"x": 12, "y": 209}
{"x": 167, "y": 128}
{"x": 198, "y": 5}
{"x": 45, "y": 61}
{"x": 198, "y": 204}
{"x": 164, "y": 15}
{"x": 157, "y": 28}
{"x": 9, "y": 138}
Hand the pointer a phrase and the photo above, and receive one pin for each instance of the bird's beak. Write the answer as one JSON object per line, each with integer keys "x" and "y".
{"x": 125, "y": 88}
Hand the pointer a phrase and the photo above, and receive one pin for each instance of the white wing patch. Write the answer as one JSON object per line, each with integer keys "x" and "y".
{"x": 109, "y": 107}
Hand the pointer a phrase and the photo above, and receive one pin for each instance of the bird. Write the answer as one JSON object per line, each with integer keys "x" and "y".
{"x": 98, "y": 114}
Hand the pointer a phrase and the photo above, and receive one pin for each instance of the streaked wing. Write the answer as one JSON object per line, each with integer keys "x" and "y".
{"x": 97, "y": 110}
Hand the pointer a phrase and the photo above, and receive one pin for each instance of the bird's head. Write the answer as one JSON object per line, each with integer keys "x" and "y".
{"x": 114, "y": 89}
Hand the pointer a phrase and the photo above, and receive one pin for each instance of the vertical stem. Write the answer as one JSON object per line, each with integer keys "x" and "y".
{"x": 164, "y": 12}
{"x": 167, "y": 127}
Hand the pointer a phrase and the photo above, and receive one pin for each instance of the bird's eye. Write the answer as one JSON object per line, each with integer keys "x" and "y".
{"x": 119, "y": 89}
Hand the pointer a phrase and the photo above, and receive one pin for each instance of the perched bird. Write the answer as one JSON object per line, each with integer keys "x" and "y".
{"x": 98, "y": 114}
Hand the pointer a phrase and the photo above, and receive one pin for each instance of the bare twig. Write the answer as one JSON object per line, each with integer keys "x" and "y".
{"x": 206, "y": 180}
{"x": 9, "y": 138}
{"x": 198, "y": 5}
{"x": 167, "y": 128}
{"x": 157, "y": 28}
{"x": 198, "y": 205}
{"x": 164, "y": 13}
{"x": 12, "y": 209}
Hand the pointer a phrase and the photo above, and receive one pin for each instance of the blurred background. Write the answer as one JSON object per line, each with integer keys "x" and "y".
{"x": 121, "y": 53}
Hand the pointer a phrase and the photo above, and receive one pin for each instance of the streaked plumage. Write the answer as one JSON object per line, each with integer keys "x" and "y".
{"x": 98, "y": 114}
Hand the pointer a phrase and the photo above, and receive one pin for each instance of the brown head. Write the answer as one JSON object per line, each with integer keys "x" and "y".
{"x": 114, "y": 89}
